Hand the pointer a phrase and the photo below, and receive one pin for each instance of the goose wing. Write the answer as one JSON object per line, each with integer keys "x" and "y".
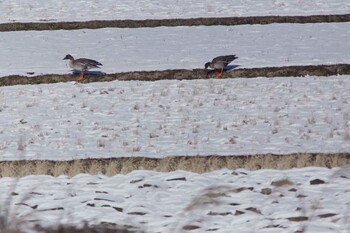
{"x": 227, "y": 59}
{"x": 88, "y": 63}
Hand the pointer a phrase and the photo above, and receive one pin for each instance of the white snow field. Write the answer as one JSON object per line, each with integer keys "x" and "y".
{"x": 67, "y": 121}
{"x": 81, "y": 10}
{"x": 163, "y": 48}
{"x": 307, "y": 200}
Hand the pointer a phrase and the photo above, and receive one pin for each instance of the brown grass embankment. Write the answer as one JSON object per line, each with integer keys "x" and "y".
{"x": 199, "y": 164}
{"x": 70, "y": 229}
{"x": 226, "y": 21}
{"x": 269, "y": 72}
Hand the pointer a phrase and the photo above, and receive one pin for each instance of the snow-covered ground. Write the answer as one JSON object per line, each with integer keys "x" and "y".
{"x": 81, "y": 10}
{"x": 67, "y": 121}
{"x": 175, "y": 47}
{"x": 313, "y": 199}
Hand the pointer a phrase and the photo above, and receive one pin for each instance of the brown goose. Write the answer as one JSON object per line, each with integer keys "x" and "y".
{"x": 219, "y": 63}
{"x": 82, "y": 64}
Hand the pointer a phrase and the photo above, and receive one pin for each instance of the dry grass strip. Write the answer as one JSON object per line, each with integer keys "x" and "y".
{"x": 172, "y": 22}
{"x": 197, "y": 164}
{"x": 103, "y": 228}
{"x": 284, "y": 71}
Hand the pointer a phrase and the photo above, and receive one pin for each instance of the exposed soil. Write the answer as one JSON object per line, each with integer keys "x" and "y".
{"x": 173, "y": 22}
{"x": 197, "y": 164}
{"x": 285, "y": 71}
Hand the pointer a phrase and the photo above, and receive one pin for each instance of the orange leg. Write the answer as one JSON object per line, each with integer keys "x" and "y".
{"x": 81, "y": 76}
{"x": 219, "y": 74}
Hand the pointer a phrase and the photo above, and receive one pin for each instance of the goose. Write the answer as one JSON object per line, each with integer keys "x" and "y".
{"x": 82, "y": 64}
{"x": 219, "y": 63}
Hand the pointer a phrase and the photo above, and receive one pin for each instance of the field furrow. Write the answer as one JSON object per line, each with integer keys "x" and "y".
{"x": 213, "y": 21}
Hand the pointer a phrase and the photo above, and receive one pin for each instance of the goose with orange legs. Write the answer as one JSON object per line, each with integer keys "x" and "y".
{"x": 219, "y": 63}
{"x": 81, "y": 64}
